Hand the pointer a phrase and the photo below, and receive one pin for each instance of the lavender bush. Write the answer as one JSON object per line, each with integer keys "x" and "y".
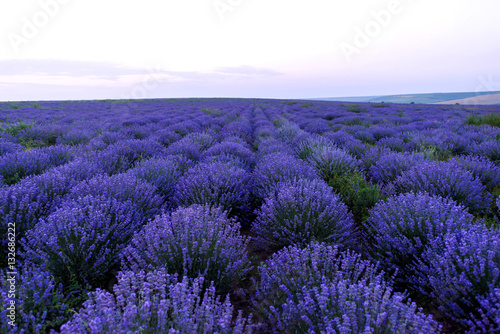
{"x": 232, "y": 149}
{"x": 403, "y": 226}
{"x": 343, "y": 307}
{"x": 308, "y": 146}
{"x": 155, "y": 302}
{"x": 162, "y": 173}
{"x": 81, "y": 241}
{"x": 463, "y": 273}
{"x": 122, "y": 187}
{"x": 278, "y": 167}
{"x": 290, "y": 270}
{"x": 40, "y": 303}
{"x": 216, "y": 184}
{"x": 302, "y": 211}
{"x": 488, "y": 320}
{"x": 17, "y": 165}
{"x": 331, "y": 162}
{"x": 483, "y": 169}
{"x": 194, "y": 241}
{"x": 23, "y": 204}
{"x": 390, "y": 166}
{"x": 446, "y": 179}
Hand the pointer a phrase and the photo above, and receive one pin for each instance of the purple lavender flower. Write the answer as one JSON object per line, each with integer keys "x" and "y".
{"x": 75, "y": 137}
{"x": 446, "y": 179}
{"x": 278, "y": 167}
{"x": 463, "y": 272}
{"x": 15, "y": 166}
{"x": 304, "y": 148}
{"x": 302, "y": 211}
{"x": 272, "y": 145}
{"x": 390, "y": 166}
{"x": 194, "y": 241}
{"x": 163, "y": 173}
{"x": 155, "y": 303}
{"x": 24, "y": 203}
{"x": 404, "y": 225}
{"x": 489, "y": 149}
{"x": 331, "y": 162}
{"x": 482, "y": 168}
{"x": 123, "y": 155}
{"x": 233, "y": 149}
{"x": 39, "y": 301}
{"x": 291, "y": 269}
{"x": 122, "y": 187}
{"x": 82, "y": 239}
{"x": 216, "y": 184}
{"x": 488, "y": 320}
{"x": 343, "y": 307}
{"x": 166, "y": 137}
{"x": 9, "y": 147}
{"x": 396, "y": 144}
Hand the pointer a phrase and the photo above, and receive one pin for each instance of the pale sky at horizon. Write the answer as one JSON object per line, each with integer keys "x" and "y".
{"x": 75, "y": 49}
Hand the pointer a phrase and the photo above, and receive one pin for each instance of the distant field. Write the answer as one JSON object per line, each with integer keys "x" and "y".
{"x": 481, "y": 99}
{"x": 447, "y": 98}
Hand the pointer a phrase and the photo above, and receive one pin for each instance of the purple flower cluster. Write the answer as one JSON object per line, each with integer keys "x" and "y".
{"x": 403, "y": 226}
{"x": 390, "y": 166}
{"x": 24, "y": 203}
{"x": 283, "y": 277}
{"x": 446, "y": 179}
{"x": 217, "y": 184}
{"x": 155, "y": 302}
{"x": 227, "y": 149}
{"x": 483, "y": 169}
{"x": 82, "y": 240}
{"x": 162, "y": 173}
{"x": 39, "y": 301}
{"x": 124, "y": 188}
{"x": 7, "y": 147}
{"x": 193, "y": 241}
{"x": 331, "y": 162}
{"x": 344, "y": 307}
{"x": 302, "y": 211}
{"x": 307, "y": 147}
{"x": 278, "y": 167}
{"x": 463, "y": 274}
{"x": 17, "y": 165}
{"x": 123, "y": 155}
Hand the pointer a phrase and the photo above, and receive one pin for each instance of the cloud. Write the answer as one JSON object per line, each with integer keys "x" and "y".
{"x": 247, "y": 71}
{"x": 111, "y": 71}
{"x": 47, "y": 79}
{"x": 71, "y": 68}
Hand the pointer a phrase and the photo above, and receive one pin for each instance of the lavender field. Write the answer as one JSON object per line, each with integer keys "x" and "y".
{"x": 249, "y": 216}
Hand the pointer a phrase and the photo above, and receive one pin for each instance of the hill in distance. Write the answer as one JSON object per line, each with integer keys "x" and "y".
{"x": 441, "y": 98}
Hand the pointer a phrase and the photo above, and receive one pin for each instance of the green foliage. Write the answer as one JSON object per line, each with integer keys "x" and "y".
{"x": 14, "y": 106}
{"x": 356, "y": 121}
{"x": 14, "y": 129}
{"x": 433, "y": 153}
{"x": 401, "y": 113}
{"x": 211, "y": 112}
{"x": 278, "y": 122}
{"x": 492, "y": 119}
{"x": 354, "y": 108}
{"x": 357, "y": 193}
{"x": 306, "y": 105}
{"x": 290, "y": 103}
{"x": 380, "y": 105}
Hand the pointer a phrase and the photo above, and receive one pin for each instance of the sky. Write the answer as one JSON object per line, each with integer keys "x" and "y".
{"x": 119, "y": 49}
